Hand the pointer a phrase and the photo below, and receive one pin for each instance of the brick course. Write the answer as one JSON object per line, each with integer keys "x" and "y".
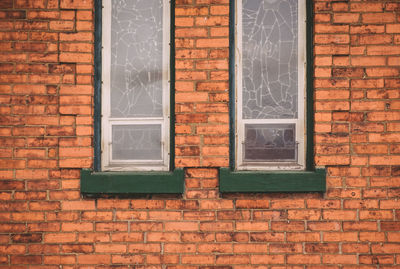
{"x": 46, "y": 129}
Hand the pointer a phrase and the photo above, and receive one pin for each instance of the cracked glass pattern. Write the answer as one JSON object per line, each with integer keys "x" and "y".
{"x": 136, "y": 142}
{"x": 270, "y": 142}
{"x": 136, "y": 58}
{"x": 270, "y": 59}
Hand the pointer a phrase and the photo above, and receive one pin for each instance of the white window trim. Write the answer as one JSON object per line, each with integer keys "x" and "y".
{"x": 300, "y": 122}
{"x": 107, "y": 164}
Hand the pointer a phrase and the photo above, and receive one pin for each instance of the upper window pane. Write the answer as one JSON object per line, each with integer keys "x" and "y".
{"x": 270, "y": 59}
{"x": 136, "y": 58}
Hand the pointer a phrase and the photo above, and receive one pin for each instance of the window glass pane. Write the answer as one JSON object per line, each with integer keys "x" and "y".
{"x": 270, "y": 59}
{"x": 270, "y": 142}
{"x": 136, "y": 142}
{"x": 136, "y": 58}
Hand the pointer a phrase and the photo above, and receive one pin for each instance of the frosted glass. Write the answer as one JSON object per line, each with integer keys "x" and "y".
{"x": 269, "y": 55}
{"x": 136, "y": 58}
{"x": 270, "y": 142}
{"x": 136, "y": 142}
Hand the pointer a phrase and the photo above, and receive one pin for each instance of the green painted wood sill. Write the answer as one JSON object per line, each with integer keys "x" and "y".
{"x": 132, "y": 182}
{"x": 274, "y": 181}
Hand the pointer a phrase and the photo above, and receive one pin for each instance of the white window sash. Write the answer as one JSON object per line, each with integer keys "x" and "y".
{"x": 300, "y": 121}
{"x": 107, "y": 164}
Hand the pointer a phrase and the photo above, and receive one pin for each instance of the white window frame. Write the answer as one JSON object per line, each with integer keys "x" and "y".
{"x": 300, "y": 121}
{"x": 107, "y": 163}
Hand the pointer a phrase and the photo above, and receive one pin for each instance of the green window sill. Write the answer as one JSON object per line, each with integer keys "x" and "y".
{"x": 274, "y": 181}
{"x": 132, "y": 182}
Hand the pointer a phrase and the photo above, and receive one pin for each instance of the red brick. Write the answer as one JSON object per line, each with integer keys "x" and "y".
{"x": 184, "y": 21}
{"x": 198, "y": 259}
{"x": 340, "y": 237}
{"x": 59, "y": 237}
{"x": 383, "y": 50}
{"x": 28, "y": 259}
{"x": 220, "y": 226}
{"x": 163, "y": 237}
{"x": 78, "y": 205}
{"x": 128, "y": 259}
{"x": 377, "y": 18}
{"x": 339, "y": 214}
{"x": 127, "y": 237}
{"x": 191, "y": 11}
{"x": 354, "y": 248}
{"x": 345, "y": 17}
{"x": 287, "y": 226}
{"x": 215, "y": 248}
{"x": 93, "y": 237}
{"x": 321, "y": 248}
{"x": 340, "y": 7}
{"x": 324, "y": 28}
{"x": 111, "y": 226}
{"x": 303, "y": 237}
{"x": 299, "y": 259}
{"x": 339, "y": 259}
{"x": 191, "y": 32}
{"x": 94, "y": 259}
{"x": 161, "y": 215}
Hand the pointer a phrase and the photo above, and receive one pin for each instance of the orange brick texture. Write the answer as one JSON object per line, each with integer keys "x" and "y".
{"x": 202, "y": 85}
{"x": 46, "y": 137}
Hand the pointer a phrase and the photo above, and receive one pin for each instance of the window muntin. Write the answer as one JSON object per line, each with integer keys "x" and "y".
{"x": 270, "y": 84}
{"x": 135, "y": 85}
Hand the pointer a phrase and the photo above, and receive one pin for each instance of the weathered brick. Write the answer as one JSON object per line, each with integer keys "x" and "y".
{"x": 47, "y": 137}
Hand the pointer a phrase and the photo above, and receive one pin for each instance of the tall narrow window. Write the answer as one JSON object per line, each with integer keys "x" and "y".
{"x": 270, "y": 85}
{"x": 135, "y": 85}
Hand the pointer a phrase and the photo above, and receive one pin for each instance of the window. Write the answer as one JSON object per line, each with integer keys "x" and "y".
{"x": 270, "y": 89}
{"x": 135, "y": 85}
{"x": 133, "y": 99}
{"x": 271, "y": 99}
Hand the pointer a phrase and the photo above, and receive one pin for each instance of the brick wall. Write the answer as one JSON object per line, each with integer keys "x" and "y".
{"x": 46, "y": 127}
{"x": 202, "y": 63}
